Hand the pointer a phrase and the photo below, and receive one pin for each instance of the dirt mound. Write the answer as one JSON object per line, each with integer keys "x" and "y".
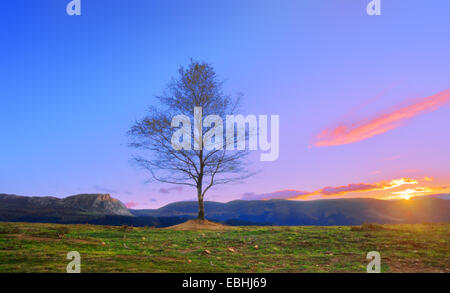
{"x": 199, "y": 225}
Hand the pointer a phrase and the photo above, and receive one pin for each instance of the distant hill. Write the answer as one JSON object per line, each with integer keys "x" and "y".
{"x": 14, "y": 206}
{"x": 441, "y": 196}
{"x": 97, "y": 209}
{"x": 102, "y": 209}
{"x": 318, "y": 212}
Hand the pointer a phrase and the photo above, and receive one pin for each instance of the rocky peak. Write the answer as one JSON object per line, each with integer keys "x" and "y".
{"x": 101, "y": 204}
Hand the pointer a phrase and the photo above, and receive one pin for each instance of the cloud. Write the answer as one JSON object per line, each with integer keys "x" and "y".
{"x": 282, "y": 194}
{"x": 358, "y": 187}
{"x": 104, "y": 189}
{"x": 346, "y": 134}
{"x": 419, "y": 191}
{"x": 131, "y": 204}
{"x": 392, "y": 158}
{"x": 169, "y": 190}
{"x": 340, "y": 191}
{"x": 330, "y": 191}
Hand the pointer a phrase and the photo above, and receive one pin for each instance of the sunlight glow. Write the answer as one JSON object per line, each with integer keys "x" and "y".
{"x": 406, "y": 194}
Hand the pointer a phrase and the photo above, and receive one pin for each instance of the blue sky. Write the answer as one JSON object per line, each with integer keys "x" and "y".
{"x": 70, "y": 88}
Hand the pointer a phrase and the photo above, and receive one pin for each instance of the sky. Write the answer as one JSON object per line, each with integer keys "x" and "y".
{"x": 362, "y": 100}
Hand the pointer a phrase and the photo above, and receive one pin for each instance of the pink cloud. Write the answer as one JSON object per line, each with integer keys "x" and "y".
{"x": 282, "y": 194}
{"x": 131, "y": 204}
{"x": 170, "y": 189}
{"x": 346, "y": 134}
{"x": 358, "y": 187}
{"x": 331, "y": 191}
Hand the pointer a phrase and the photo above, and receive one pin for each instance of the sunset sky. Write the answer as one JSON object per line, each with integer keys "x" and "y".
{"x": 363, "y": 100}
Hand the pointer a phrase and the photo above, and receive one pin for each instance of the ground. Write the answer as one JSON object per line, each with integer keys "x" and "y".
{"x": 26, "y": 247}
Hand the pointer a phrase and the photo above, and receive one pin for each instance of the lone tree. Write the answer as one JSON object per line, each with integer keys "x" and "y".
{"x": 200, "y": 167}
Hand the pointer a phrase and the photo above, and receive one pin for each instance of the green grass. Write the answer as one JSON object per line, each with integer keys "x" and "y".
{"x": 26, "y": 247}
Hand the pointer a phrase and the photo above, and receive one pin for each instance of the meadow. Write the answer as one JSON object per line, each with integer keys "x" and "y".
{"x": 42, "y": 248}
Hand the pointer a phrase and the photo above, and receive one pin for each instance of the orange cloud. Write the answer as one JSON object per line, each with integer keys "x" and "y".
{"x": 384, "y": 122}
{"x": 360, "y": 187}
{"x": 418, "y": 191}
{"x": 338, "y": 191}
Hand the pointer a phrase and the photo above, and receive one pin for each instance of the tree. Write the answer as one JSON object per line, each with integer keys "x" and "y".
{"x": 200, "y": 167}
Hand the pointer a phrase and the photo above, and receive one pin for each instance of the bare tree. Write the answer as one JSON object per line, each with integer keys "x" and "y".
{"x": 201, "y": 167}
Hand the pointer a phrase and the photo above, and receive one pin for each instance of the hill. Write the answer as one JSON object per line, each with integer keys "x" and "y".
{"x": 318, "y": 212}
{"x": 441, "y": 196}
{"x": 102, "y": 209}
{"x": 97, "y": 209}
{"x": 15, "y": 206}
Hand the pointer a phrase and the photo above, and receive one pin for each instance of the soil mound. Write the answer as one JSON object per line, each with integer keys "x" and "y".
{"x": 199, "y": 225}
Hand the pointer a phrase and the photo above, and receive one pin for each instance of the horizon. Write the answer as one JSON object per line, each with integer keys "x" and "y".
{"x": 363, "y": 101}
{"x": 441, "y": 196}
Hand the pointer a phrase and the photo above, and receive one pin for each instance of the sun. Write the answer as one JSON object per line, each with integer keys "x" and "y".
{"x": 405, "y": 196}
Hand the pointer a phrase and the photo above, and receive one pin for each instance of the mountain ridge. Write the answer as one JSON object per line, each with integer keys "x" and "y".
{"x": 319, "y": 212}
{"x": 12, "y": 205}
{"x": 102, "y": 209}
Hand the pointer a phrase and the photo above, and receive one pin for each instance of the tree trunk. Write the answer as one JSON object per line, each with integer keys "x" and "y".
{"x": 201, "y": 207}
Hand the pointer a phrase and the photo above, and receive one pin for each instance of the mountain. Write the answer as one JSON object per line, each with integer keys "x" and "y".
{"x": 318, "y": 212}
{"x": 441, "y": 196}
{"x": 102, "y": 209}
{"x": 72, "y": 207}
{"x": 96, "y": 209}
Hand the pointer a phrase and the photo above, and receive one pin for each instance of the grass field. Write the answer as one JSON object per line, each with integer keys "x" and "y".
{"x": 26, "y": 247}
